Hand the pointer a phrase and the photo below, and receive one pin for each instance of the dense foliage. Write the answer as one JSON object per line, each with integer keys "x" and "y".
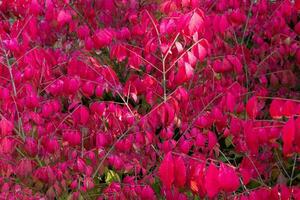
{"x": 153, "y": 99}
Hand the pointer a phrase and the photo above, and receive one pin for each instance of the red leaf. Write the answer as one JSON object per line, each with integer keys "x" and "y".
{"x": 212, "y": 181}
{"x": 252, "y": 107}
{"x": 6, "y": 127}
{"x": 185, "y": 72}
{"x": 297, "y": 134}
{"x": 230, "y": 102}
{"x": 185, "y": 146}
{"x": 237, "y": 65}
{"x": 7, "y": 145}
{"x": 199, "y": 51}
{"x": 276, "y": 108}
{"x": 24, "y": 168}
{"x": 35, "y": 7}
{"x": 204, "y": 121}
{"x": 222, "y": 66}
{"x": 288, "y": 136}
{"x": 170, "y": 112}
{"x": 197, "y": 179}
{"x": 223, "y": 24}
{"x": 228, "y": 179}
{"x": 83, "y": 31}
{"x": 237, "y": 17}
{"x": 72, "y": 137}
{"x": 119, "y": 52}
{"x": 81, "y": 115}
{"x": 200, "y": 140}
{"x": 297, "y": 4}
{"x": 88, "y": 88}
{"x": 251, "y": 138}
{"x": 180, "y": 172}
{"x": 289, "y": 108}
{"x": 51, "y": 145}
{"x": 98, "y": 108}
{"x": 166, "y": 171}
{"x": 246, "y": 175}
{"x": 102, "y": 38}
{"x": 31, "y": 146}
{"x": 134, "y": 60}
{"x": 212, "y": 140}
{"x": 189, "y": 58}
{"x": 274, "y": 80}
{"x": 147, "y": 193}
{"x": 297, "y": 28}
{"x": 168, "y": 6}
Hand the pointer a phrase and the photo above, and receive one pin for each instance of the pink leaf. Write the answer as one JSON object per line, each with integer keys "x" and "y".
{"x": 190, "y": 58}
{"x": 189, "y": 71}
{"x": 196, "y": 22}
{"x": 179, "y": 47}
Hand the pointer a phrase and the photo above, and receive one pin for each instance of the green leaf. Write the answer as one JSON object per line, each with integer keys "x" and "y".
{"x": 111, "y": 176}
{"x": 156, "y": 187}
{"x": 228, "y": 141}
{"x": 218, "y": 76}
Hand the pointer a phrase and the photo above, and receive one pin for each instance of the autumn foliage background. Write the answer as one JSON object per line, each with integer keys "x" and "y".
{"x": 170, "y": 99}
